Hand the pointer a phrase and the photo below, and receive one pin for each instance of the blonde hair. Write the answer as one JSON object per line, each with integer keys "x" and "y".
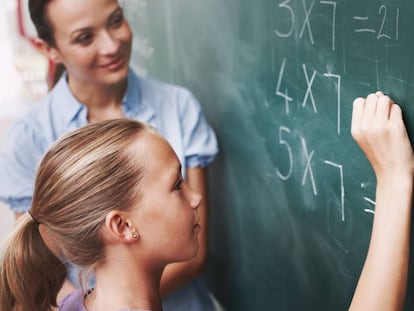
{"x": 82, "y": 177}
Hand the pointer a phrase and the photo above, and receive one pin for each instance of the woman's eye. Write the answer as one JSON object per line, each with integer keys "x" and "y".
{"x": 117, "y": 20}
{"x": 84, "y": 39}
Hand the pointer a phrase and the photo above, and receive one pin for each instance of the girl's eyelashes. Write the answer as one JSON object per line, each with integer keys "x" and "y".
{"x": 178, "y": 184}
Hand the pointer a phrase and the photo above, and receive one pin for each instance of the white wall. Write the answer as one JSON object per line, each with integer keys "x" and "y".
{"x": 22, "y": 82}
{"x": 6, "y": 215}
{"x": 6, "y": 220}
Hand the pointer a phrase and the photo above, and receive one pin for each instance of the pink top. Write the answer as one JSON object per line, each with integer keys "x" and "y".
{"x": 74, "y": 302}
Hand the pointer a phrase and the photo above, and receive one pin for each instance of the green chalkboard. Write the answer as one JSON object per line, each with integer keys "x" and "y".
{"x": 291, "y": 194}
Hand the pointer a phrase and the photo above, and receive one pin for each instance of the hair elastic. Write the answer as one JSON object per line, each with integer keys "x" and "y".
{"x": 33, "y": 218}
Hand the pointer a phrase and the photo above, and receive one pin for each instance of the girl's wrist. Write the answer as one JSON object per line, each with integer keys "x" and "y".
{"x": 396, "y": 178}
{"x": 395, "y": 185}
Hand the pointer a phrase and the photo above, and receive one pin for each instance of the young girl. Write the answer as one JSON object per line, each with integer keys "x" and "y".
{"x": 112, "y": 197}
{"x": 92, "y": 40}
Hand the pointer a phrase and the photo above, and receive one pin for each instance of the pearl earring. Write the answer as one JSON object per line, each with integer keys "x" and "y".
{"x": 134, "y": 235}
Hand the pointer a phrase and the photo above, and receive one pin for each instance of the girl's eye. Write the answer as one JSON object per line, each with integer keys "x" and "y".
{"x": 178, "y": 184}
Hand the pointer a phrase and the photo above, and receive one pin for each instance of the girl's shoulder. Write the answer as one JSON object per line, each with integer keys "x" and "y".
{"x": 73, "y": 302}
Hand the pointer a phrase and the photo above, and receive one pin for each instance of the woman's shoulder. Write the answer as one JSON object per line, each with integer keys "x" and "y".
{"x": 149, "y": 86}
{"x": 32, "y": 128}
{"x": 45, "y": 120}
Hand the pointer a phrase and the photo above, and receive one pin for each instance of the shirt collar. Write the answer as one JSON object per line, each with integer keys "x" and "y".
{"x": 134, "y": 104}
{"x": 74, "y": 113}
{"x": 68, "y": 105}
{"x": 132, "y": 99}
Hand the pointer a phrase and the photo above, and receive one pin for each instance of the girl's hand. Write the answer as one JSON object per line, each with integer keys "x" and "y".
{"x": 379, "y": 130}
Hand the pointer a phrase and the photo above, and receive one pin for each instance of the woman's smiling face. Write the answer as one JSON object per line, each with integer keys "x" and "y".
{"x": 92, "y": 39}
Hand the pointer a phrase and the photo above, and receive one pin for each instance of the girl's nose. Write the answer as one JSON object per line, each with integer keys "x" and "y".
{"x": 195, "y": 199}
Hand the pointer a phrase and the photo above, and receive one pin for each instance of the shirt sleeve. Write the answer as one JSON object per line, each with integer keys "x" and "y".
{"x": 200, "y": 142}
{"x": 19, "y": 157}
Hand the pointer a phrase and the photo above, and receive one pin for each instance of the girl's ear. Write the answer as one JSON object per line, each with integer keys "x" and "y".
{"x": 119, "y": 227}
{"x": 48, "y": 51}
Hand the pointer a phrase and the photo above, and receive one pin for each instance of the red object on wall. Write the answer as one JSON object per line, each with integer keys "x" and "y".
{"x": 32, "y": 40}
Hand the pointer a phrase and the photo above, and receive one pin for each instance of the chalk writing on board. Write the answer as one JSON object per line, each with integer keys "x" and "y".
{"x": 338, "y": 88}
{"x": 284, "y": 5}
{"x": 372, "y": 202}
{"x": 306, "y": 25}
{"x": 362, "y": 23}
{"x": 333, "y": 4}
{"x": 306, "y": 22}
{"x": 308, "y": 166}
{"x": 286, "y": 176}
{"x": 383, "y": 12}
{"x": 384, "y": 25}
{"x": 308, "y": 171}
{"x": 279, "y": 81}
{"x": 341, "y": 174}
{"x": 309, "y": 93}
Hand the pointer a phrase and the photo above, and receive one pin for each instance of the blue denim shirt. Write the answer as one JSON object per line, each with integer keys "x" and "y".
{"x": 171, "y": 109}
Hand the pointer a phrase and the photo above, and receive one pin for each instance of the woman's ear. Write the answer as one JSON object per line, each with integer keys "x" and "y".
{"x": 48, "y": 51}
{"x": 120, "y": 227}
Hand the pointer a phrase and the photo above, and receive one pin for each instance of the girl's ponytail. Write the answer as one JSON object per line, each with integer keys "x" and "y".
{"x": 30, "y": 274}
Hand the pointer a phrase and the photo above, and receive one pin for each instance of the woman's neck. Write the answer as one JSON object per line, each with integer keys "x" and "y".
{"x": 102, "y": 101}
{"x": 123, "y": 286}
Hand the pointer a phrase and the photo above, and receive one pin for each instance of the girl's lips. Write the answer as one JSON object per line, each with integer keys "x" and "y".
{"x": 196, "y": 226}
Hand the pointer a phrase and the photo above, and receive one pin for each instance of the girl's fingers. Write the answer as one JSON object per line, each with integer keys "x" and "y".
{"x": 378, "y": 128}
{"x": 357, "y": 112}
{"x": 370, "y": 106}
{"x": 396, "y": 113}
{"x": 384, "y": 107}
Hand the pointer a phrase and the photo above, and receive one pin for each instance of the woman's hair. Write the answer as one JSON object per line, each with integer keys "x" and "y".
{"x": 38, "y": 14}
{"x": 82, "y": 177}
{"x": 44, "y": 29}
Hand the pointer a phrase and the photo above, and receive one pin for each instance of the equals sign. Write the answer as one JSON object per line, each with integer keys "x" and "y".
{"x": 363, "y": 18}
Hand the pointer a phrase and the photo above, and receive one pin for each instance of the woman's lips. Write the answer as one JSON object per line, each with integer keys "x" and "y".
{"x": 115, "y": 64}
